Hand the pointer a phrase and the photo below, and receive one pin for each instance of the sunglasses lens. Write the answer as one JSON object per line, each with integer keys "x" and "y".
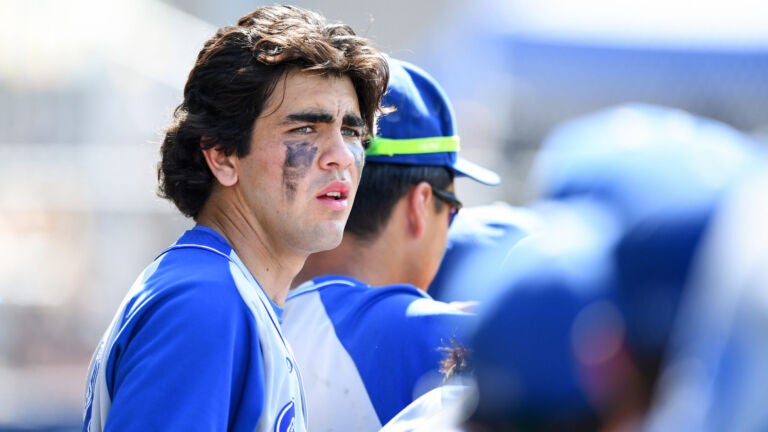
{"x": 454, "y": 205}
{"x": 452, "y": 214}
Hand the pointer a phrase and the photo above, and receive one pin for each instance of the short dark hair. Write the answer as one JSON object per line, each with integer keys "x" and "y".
{"x": 234, "y": 75}
{"x": 381, "y": 186}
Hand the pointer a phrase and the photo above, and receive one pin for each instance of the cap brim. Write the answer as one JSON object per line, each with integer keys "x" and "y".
{"x": 465, "y": 168}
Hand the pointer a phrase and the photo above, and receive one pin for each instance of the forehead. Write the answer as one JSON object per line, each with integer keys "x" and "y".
{"x": 297, "y": 91}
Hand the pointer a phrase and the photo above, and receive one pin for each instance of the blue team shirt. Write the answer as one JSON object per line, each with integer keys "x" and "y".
{"x": 365, "y": 352}
{"x": 196, "y": 345}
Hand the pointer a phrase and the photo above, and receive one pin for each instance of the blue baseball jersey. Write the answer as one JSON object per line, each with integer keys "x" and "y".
{"x": 366, "y": 352}
{"x": 196, "y": 346}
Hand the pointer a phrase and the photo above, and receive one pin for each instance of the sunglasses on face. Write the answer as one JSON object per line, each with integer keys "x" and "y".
{"x": 454, "y": 205}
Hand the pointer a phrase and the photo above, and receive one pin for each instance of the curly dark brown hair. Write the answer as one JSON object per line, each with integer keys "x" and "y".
{"x": 235, "y": 74}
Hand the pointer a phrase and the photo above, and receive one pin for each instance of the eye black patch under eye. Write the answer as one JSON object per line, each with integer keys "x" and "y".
{"x": 299, "y": 156}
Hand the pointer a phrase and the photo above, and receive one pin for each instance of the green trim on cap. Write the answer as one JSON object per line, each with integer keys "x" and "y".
{"x": 390, "y": 147}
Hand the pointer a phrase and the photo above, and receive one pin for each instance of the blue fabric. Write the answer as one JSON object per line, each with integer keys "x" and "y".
{"x": 393, "y": 347}
{"x": 479, "y": 242}
{"x": 189, "y": 337}
{"x": 654, "y": 260}
{"x": 446, "y": 159}
{"x": 525, "y": 355}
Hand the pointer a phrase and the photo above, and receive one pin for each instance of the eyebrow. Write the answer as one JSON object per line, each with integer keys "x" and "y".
{"x": 310, "y": 116}
{"x": 352, "y": 120}
{"x": 319, "y": 116}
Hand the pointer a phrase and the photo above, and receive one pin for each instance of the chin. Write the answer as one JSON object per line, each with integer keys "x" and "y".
{"x": 329, "y": 238}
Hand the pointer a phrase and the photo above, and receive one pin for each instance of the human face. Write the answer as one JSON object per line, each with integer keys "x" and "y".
{"x": 300, "y": 177}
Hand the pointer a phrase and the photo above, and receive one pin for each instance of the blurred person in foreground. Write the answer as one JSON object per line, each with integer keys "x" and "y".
{"x": 264, "y": 153}
{"x": 519, "y": 355}
{"x": 367, "y": 336}
{"x": 600, "y": 301}
{"x": 714, "y": 377}
{"x": 663, "y": 173}
{"x": 578, "y": 331}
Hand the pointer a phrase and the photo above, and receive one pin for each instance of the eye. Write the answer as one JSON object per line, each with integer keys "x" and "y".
{"x": 304, "y": 130}
{"x": 352, "y": 133}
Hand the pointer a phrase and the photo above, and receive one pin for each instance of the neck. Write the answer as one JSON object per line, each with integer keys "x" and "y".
{"x": 392, "y": 257}
{"x": 376, "y": 262}
{"x": 270, "y": 264}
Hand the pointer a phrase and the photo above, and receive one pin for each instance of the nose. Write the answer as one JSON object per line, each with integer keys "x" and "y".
{"x": 338, "y": 153}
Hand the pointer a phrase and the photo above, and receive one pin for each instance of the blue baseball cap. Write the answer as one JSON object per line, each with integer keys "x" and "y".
{"x": 422, "y": 129}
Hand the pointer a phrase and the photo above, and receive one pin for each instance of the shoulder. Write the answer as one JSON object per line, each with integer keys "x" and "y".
{"x": 341, "y": 293}
{"x": 326, "y": 283}
{"x": 195, "y": 275}
{"x": 352, "y": 292}
{"x": 355, "y": 294}
{"x": 401, "y": 308}
{"x": 186, "y": 287}
{"x": 179, "y": 309}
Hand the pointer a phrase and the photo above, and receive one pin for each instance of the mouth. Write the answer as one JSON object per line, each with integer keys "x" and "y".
{"x": 336, "y": 195}
{"x": 337, "y": 191}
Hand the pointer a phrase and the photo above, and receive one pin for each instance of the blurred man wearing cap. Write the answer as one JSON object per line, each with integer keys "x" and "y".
{"x": 366, "y": 336}
{"x": 580, "y": 330}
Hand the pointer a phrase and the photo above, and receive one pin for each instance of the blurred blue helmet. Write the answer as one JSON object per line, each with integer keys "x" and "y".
{"x": 635, "y": 189}
{"x": 549, "y": 324}
{"x": 642, "y": 159}
{"x": 661, "y": 172}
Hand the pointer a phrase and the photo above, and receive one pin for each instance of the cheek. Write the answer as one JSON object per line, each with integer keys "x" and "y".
{"x": 441, "y": 242}
{"x": 359, "y": 154}
{"x": 299, "y": 157}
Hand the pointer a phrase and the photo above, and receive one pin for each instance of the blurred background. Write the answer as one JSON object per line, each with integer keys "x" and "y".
{"x": 86, "y": 88}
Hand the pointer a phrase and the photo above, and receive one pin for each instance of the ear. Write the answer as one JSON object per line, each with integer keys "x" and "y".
{"x": 223, "y": 167}
{"x": 419, "y": 199}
